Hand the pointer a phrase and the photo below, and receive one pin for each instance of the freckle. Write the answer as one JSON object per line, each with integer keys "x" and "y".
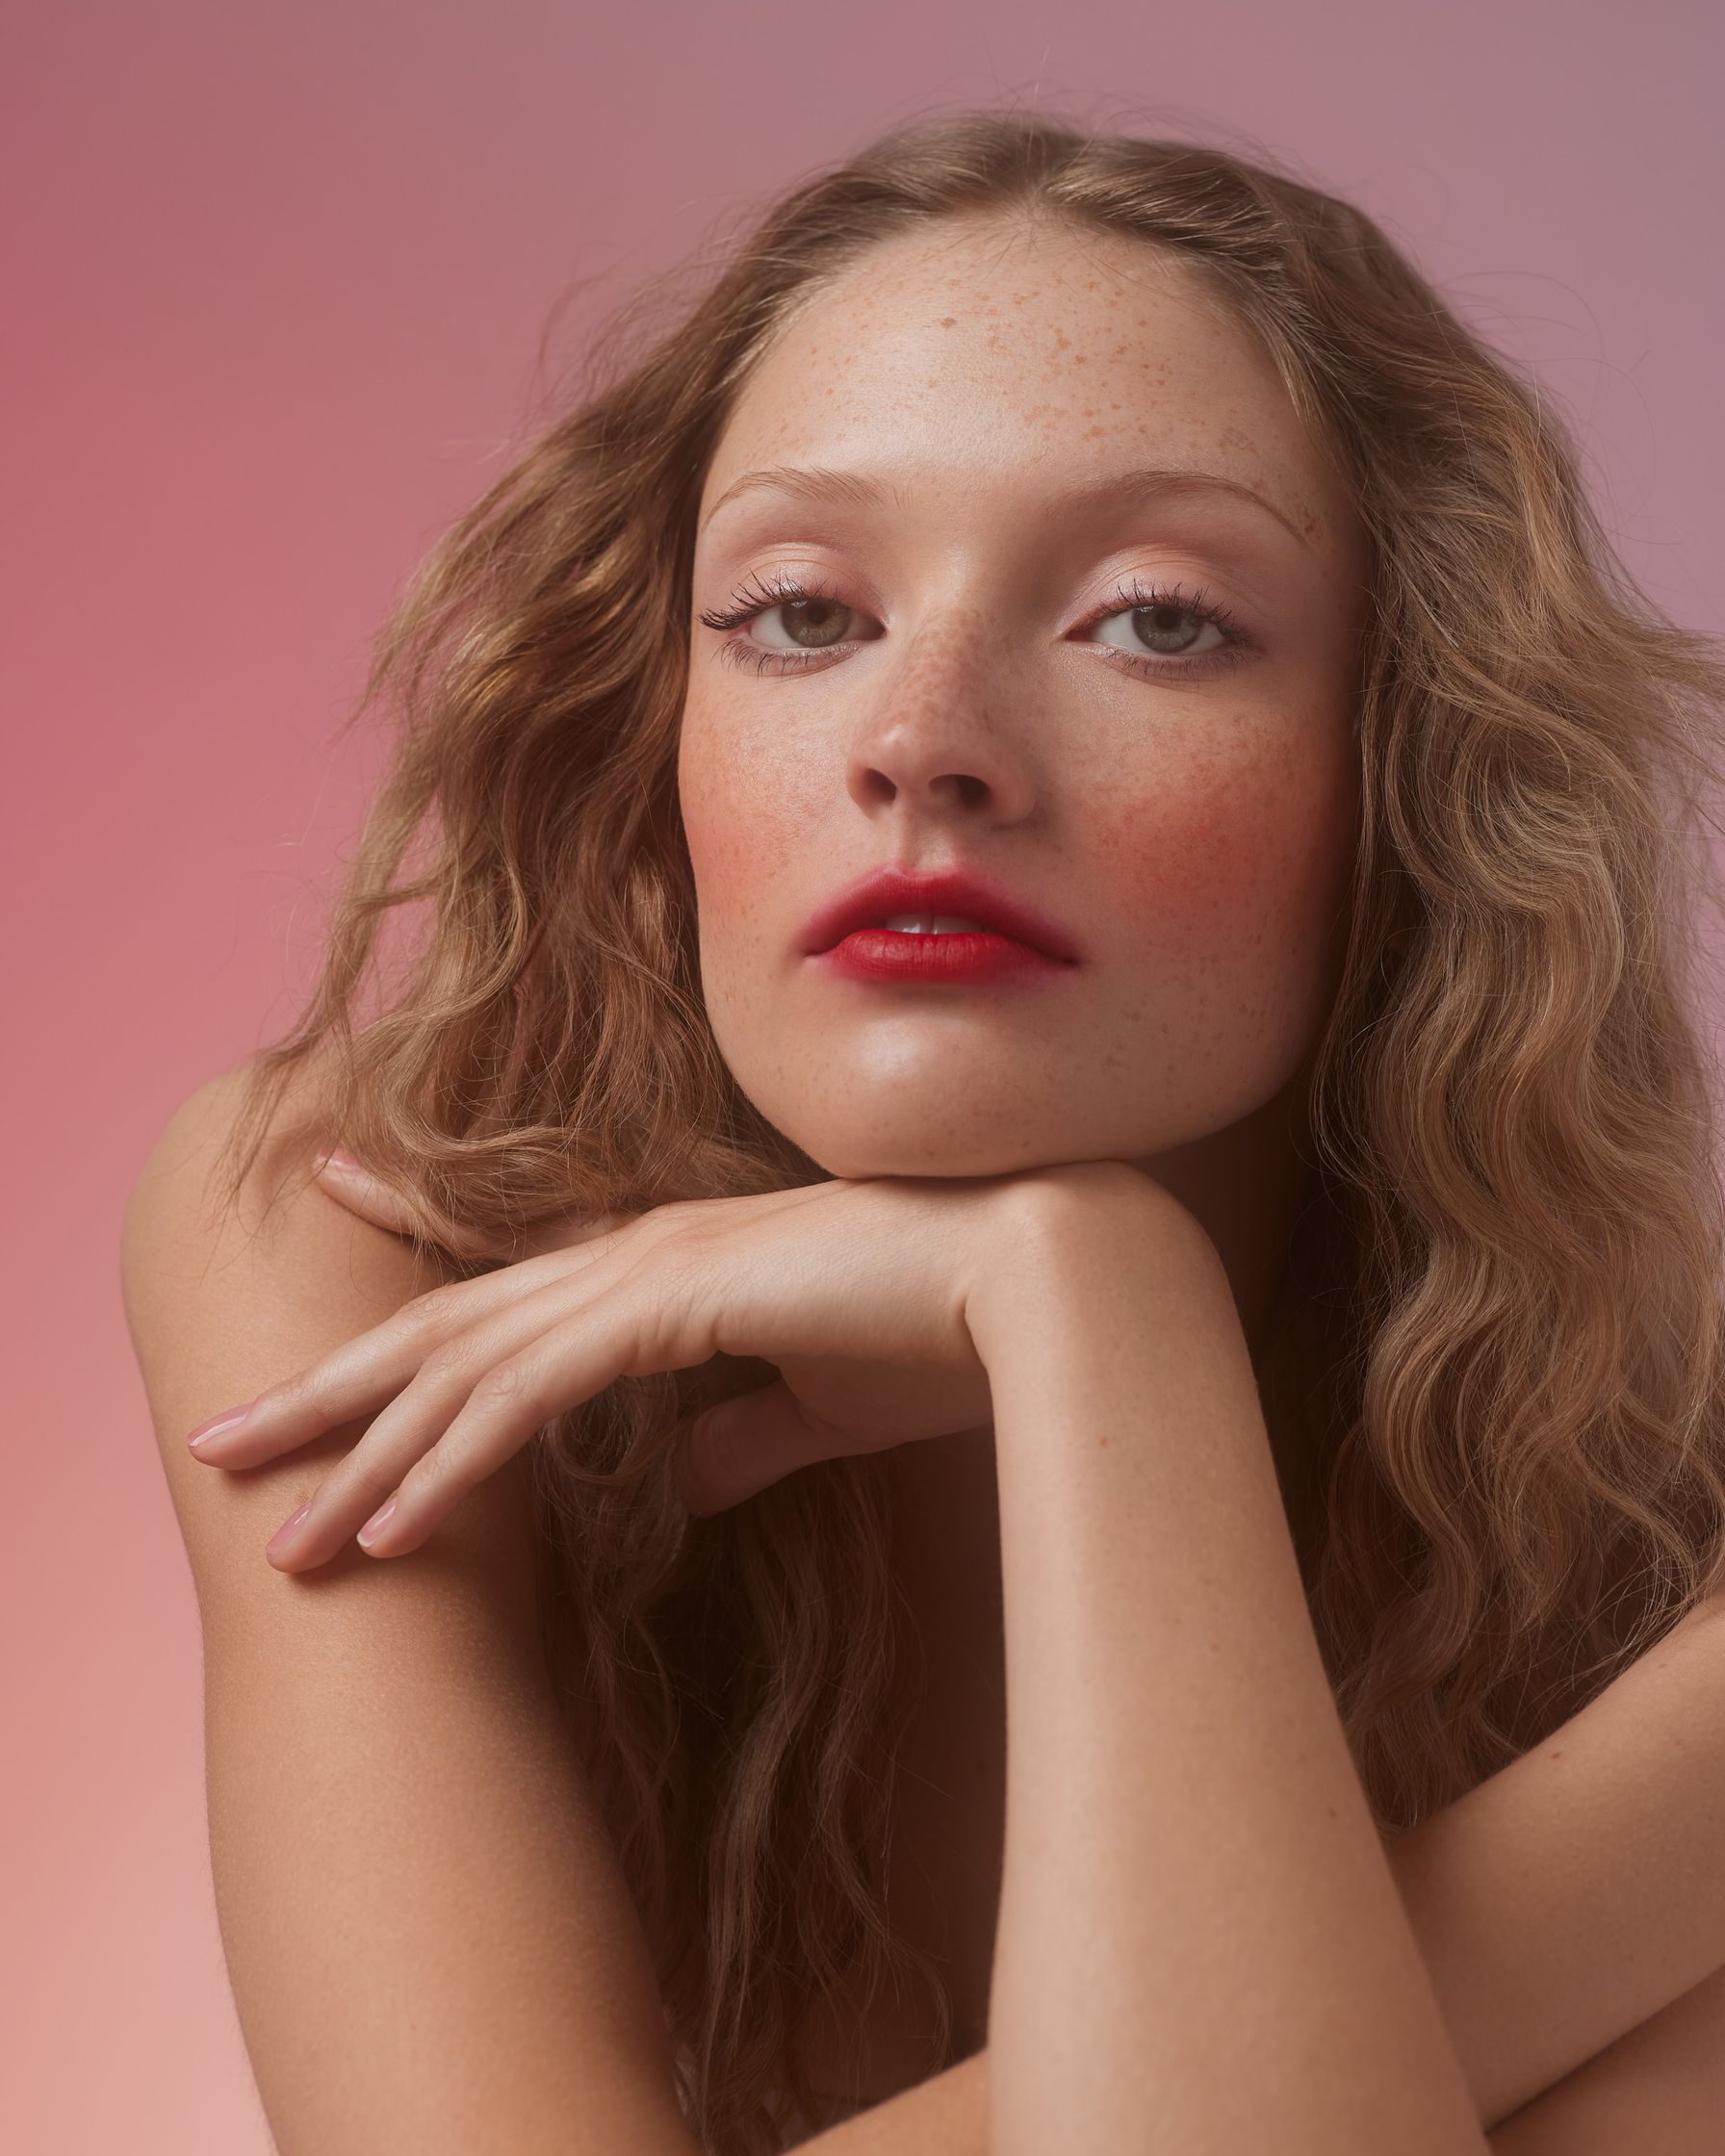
{"x": 948, "y": 321}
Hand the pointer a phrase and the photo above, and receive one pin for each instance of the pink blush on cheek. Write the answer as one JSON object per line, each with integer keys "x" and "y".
{"x": 737, "y": 854}
{"x": 1219, "y": 871}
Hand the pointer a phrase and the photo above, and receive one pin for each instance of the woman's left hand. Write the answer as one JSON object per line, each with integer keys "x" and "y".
{"x": 855, "y": 1290}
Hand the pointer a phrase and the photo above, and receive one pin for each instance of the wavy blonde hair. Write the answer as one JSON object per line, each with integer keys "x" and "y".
{"x": 1498, "y": 1346}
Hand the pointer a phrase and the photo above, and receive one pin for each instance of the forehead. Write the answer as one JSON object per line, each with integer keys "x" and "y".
{"x": 974, "y": 351}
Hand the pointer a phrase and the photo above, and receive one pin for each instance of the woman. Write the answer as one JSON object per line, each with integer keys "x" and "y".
{"x": 1048, "y": 1082}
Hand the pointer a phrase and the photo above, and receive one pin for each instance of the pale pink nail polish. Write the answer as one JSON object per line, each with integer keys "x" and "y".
{"x": 229, "y": 1418}
{"x": 372, "y": 1526}
{"x": 284, "y": 1534}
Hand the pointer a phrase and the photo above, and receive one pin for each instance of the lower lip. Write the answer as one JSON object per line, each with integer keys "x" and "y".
{"x": 890, "y": 954}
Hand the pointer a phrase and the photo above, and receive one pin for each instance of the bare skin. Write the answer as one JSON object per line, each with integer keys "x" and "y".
{"x": 1192, "y": 831}
{"x": 1558, "y": 1967}
{"x": 1509, "y": 1915}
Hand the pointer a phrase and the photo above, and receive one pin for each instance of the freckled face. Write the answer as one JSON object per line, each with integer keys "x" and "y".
{"x": 975, "y": 688}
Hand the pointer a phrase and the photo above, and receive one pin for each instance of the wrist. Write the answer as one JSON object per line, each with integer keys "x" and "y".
{"x": 1096, "y": 1243}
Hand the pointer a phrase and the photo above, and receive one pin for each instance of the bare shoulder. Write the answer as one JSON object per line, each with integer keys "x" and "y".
{"x": 223, "y": 1299}
{"x": 431, "y": 1939}
{"x": 181, "y": 1233}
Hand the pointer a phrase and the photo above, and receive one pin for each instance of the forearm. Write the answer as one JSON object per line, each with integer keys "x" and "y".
{"x": 1568, "y": 1910}
{"x": 1200, "y": 1943}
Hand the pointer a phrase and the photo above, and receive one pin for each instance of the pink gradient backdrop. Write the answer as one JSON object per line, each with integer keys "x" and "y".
{"x": 277, "y": 278}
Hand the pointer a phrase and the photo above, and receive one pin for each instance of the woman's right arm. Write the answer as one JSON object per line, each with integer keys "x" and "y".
{"x": 429, "y": 1935}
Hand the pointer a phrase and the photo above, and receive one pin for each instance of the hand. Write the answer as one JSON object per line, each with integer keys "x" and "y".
{"x": 855, "y": 1290}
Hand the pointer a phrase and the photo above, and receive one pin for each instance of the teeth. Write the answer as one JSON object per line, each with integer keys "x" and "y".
{"x": 932, "y": 924}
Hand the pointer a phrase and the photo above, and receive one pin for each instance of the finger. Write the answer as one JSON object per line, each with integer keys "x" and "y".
{"x": 745, "y": 1445}
{"x": 353, "y": 1185}
{"x": 359, "y": 1377}
{"x": 422, "y": 1419}
{"x": 509, "y": 1403}
{"x": 482, "y": 1393}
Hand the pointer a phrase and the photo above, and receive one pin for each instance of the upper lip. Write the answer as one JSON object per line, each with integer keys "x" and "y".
{"x": 883, "y": 891}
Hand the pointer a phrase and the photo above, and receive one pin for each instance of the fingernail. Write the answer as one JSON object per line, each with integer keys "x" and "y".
{"x": 284, "y": 1534}
{"x": 229, "y": 1418}
{"x": 368, "y": 1533}
{"x": 339, "y": 1159}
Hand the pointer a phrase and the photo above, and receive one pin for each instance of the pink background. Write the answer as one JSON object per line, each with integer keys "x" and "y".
{"x": 278, "y": 282}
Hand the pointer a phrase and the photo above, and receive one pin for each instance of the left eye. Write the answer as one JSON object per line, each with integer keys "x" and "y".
{"x": 1151, "y": 623}
{"x": 815, "y": 622}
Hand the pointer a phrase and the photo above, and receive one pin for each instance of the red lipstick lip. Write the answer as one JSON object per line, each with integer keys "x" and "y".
{"x": 867, "y": 902}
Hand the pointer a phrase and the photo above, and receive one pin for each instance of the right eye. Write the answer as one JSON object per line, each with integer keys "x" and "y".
{"x": 814, "y": 616}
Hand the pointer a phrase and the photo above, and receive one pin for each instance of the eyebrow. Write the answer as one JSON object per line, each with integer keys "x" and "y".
{"x": 820, "y": 484}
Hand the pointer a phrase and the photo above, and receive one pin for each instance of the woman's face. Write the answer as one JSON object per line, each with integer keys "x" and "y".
{"x": 989, "y": 681}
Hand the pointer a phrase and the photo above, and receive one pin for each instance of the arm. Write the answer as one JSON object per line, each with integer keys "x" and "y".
{"x": 1657, "y": 2091}
{"x": 1577, "y": 1895}
{"x": 429, "y": 1939}
{"x": 1659, "y": 2086}
{"x": 1571, "y": 1912}
{"x": 1200, "y": 1941}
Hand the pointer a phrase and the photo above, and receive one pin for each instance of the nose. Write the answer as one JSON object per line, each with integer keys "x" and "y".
{"x": 942, "y": 732}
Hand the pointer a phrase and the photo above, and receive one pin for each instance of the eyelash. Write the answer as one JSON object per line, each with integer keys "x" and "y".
{"x": 748, "y": 604}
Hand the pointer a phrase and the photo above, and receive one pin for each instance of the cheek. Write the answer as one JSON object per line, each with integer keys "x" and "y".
{"x": 739, "y": 820}
{"x": 1226, "y": 864}
{"x": 721, "y": 848}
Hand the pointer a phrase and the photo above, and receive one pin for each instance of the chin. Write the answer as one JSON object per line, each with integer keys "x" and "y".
{"x": 924, "y": 1153}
